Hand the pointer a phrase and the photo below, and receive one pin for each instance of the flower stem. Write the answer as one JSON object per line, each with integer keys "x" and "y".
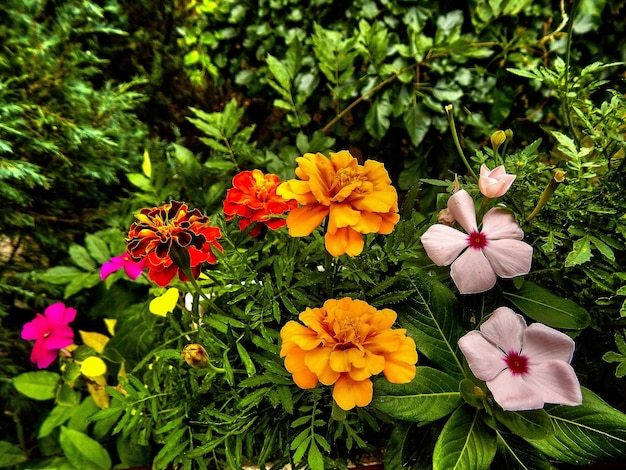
{"x": 557, "y": 178}
{"x": 455, "y": 137}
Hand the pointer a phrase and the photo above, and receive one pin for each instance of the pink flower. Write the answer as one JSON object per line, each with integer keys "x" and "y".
{"x": 51, "y": 333}
{"x": 133, "y": 269}
{"x": 524, "y": 367}
{"x": 478, "y": 258}
{"x": 494, "y": 183}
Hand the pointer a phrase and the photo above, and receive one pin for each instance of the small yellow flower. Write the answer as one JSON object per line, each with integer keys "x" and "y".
{"x": 343, "y": 344}
{"x": 357, "y": 199}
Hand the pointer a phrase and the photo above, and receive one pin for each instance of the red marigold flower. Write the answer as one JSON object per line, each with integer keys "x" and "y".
{"x": 170, "y": 239}
{"x": 253, "y": 198}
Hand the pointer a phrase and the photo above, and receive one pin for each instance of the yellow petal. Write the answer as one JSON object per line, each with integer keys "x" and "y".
{"x": 348, "y": 393}
{"x": 110, "y": 324}
{"x": 98, "y": 393}
{"x": 95, "y": 340}
{"x": 165, "y": 303}
{"x": 303, "y": 220}
{"x": 93, "y": 367}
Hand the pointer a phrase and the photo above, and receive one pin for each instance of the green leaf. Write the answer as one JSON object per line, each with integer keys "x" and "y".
{"x": 83, "y": 451}
{"x": 139, "y": 181}
{"x": 11, "y": 454}
{"x": 543, "y": 306}
{"x": 533, "y": 424}
{"x": 580, "y": 254}
{"x": 60, "y": 274}
{"x": 430, "y": 318}
{"x": 279, "y": 71}
{"x": 590, "y": 433}
{"x": 515, "y": 453}
{"x": 81, "y": 257}
{"x": 58, "y": 416}
{"x": 39, "y": 385}
{"x": 314, "y": 457}
{"x": 417, "y": 122}
{"x": 377, "y": 118}
{"x": 97, "y": 248}
{"x": 431, "y": 395}
{"x": 465, "y": 442}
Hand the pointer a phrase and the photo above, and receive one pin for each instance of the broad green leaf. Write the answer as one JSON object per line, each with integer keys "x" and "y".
{"x": 60, "y": 274}
{"x": 279, "y": 71}
{"x": 465, "y": 442}
{"x": 514, "y": 453}
{"x": 139, "y": 181}
{"x": 80, "y": 257}
{"x": 417, "y": 122}
{"x": 97, "y": 248}
{"x": 590, "y": 433}
{"x": 430, "y": 318}
{"x": 543, "y": 306}
{"x": 56, "y": 417}
{"x": 83, "y": 451}
{"x": 580, "y": 254}
{"x": 377, "y": 118}
{"x": 532, "y": 424}
{"x": 39, "y": 385}
{"x": 11, "y": 455}
{"x": 431, "y": 395}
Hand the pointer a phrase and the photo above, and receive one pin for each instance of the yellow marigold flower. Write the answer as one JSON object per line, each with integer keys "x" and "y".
{"x": 343, "y": 344}
{"x": 357, "y": 199}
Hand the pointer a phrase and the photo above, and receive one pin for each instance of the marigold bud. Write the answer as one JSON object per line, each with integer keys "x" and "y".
{"x": 195, "y": 355}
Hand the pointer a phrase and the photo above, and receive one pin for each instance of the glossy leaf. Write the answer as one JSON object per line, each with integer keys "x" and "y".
{"x": 543, "y": 306}
{"x": 590, "y": 433}
{"x": 431, "y": 395}
{"x": 39, "y": 385}
{"x": 465, "y": 442}
{"x": 83, "y": 451}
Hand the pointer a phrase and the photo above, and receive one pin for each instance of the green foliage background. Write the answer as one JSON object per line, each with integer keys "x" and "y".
{"x": 210, "y": 88}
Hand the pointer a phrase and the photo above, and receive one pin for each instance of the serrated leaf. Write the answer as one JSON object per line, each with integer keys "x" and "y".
{"x": 431, "y": 395}
{"x": 593, "y": 432}
{"x": 83, "y": 451}
{"x": 580, "y": 254}
{"x": 543, "y": 306}
{"x": 465, "y": 442}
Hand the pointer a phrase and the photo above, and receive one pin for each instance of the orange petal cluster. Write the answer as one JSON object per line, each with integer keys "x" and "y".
{"x": 343, "y": 344}
{"x": 161, "y": 231}
{"x": 253, "y": 198}
{"x": 357, "y": 199}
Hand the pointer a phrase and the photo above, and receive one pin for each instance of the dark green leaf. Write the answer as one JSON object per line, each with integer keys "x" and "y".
{"x": 83, "y": 451}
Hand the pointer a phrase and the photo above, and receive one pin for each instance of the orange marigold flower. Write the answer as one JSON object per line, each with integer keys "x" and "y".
{"x": 253, "y": 198}
{"x": 343, "y": 344}
{"x": 170, "y": 239}
{"x": 357, "y": 199}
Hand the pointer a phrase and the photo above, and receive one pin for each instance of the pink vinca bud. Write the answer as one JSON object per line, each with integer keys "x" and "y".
{"x": 494, "y": 183}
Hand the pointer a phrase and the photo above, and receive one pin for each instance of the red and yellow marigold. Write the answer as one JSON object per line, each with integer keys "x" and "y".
{"x": 170, "y": 239}
{"x": 253, "y": 198}
{"x": 357, "y": 199}
{"x": 343, "y": 344}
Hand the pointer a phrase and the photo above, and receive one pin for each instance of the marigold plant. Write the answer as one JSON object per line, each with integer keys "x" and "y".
{"x": 170, "y": 239}
{"x": 357, "y": 199}
{"x": 253, "y": 198}
{"x": 343, "y": 344}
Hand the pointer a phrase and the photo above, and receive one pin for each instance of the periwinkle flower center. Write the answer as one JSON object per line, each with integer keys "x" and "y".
{"x": 477, "y": 240}
{"x": 516, "y": 363}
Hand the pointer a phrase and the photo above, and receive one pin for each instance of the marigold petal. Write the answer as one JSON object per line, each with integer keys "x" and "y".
{"x": 318, "y": 362}
{"x": 388, "y": 222}
{"x": 368, "y": 222}
{"x": 399, "y": 372}
{"x": 349, "y": 393}
{"x": 342, "y": 215}
{"x": 302, "y": 375}
{"x": 344, "y": 241}
{"x": 303, "y": 220}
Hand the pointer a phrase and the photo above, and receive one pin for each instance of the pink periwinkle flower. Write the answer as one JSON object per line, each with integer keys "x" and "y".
{"x": 524, "y": 367}
{"x": 51, "y": 332}
{"x": 494, "y": 183}
{"x": 133, "y": 269}
{"x": 478, "y": 257}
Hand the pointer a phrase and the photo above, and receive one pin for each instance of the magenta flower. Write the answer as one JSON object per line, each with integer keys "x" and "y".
{"x": 524, "y": 367}
{"x": 133, "y": 269}
{"x": 494, "y": 183}
{"x": 51, "y": 333}
{"x": 478, "y": 258}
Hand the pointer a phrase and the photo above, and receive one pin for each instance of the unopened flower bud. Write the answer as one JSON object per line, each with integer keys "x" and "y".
{"x": 509, "y": 134}
{"x": 498, "y": 138}
{"x": 196, "y": 356}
